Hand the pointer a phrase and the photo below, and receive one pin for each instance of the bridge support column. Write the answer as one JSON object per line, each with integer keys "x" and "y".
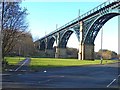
{"x": 86, "y": 52}
{"x": 50, "y": 52}
{"x": 80, "y": 53}
{"x": 60, "y": 53}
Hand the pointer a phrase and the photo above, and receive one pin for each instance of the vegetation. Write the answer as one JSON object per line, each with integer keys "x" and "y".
{"x": 24, "y": 47}
{"x": 48, "y": 62}
{"x": 53, "y": 62}
{"x": 17, "y": 41}
{"x": 37, "y": 63}
{"x": 13, "y": 60}
{"x": 13, "y": 25}
{"x": 106, "y": 54}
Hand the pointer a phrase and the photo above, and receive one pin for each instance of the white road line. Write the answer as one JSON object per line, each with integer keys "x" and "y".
{"x": 111, "y": 82}
{"x": 45, "y": 81}
{"x": 21, "y": 65}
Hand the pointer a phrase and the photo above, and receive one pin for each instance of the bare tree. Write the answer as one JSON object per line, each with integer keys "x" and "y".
{"x": 14, "y": 25}
{"x": 24, "y": 47}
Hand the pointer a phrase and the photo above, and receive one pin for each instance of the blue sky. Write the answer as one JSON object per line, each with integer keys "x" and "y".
{"x": 43, "y": 17}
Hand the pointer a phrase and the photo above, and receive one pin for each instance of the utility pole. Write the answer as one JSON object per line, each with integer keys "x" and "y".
{"x": 19, "y": 48}
{"x": 119, "y": 31}
{"x": 45, "y": 43}
{"x": 57, "y": 37}
{"x": 57, "y": 51}
{"x": 1, "y": 16}
{"x": 1, "y": 24}
{"x": 78, "y": 15}
{"x": 80, "y": 42}
{"x": 101, "y": 45}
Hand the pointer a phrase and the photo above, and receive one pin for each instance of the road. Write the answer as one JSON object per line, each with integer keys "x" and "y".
{"x": 93, "y": 76}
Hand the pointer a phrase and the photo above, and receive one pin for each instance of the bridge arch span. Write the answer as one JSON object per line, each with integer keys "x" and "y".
{"x": 64, "y": 38}
{"x": 42, "y": 45}
{"x": 51, "y": 43}
{"x": 96, "y": 26}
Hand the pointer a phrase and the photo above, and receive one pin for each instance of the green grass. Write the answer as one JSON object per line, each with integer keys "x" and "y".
{"x": 13, "y": 60}
{"x": 53, "y": 62}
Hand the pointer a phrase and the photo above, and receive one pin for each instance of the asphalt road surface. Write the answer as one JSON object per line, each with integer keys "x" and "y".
{"x": 95, "y": 76}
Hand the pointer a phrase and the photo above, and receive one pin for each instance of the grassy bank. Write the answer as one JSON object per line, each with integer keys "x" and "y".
{"x": 53, "y": 62}
{"x": 14, "y": 60}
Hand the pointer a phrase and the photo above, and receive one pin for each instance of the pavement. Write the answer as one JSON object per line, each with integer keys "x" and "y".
{"x": 23, "y": 65}
{"x": 93, "y": 76}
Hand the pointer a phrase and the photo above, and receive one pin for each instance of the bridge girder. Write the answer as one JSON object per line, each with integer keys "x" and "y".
{"x": 42, "y": 45}
{"x": 50, "y": 42}
{"x": 64, "y": 38}
{"x": 96, "y": 25}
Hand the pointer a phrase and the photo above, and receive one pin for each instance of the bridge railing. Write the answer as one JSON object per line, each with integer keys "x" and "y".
{"x": 83, "y": 16}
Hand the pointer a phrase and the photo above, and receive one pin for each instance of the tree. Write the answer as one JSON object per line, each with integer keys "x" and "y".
{"x": 106, "y": 54}
{"x": 14, "y": 25}
{"x": 24, "y": 46}
{"x": 118, "y": 56}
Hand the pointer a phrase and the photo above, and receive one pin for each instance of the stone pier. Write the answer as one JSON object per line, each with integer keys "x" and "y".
{"x": 60, "y": 53}
{"x": 50, "y": 52}
{"x": 86, "y": 52}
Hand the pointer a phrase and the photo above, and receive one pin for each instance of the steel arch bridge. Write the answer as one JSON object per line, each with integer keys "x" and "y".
{"x": 86, "y": 27}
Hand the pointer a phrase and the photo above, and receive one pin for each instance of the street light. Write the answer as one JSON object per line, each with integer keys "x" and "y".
{"x": 101, "y": 45}
{"x": 45, "y": 43}
{"x": 1, "y": 18}
{"x": 19, "y": 48}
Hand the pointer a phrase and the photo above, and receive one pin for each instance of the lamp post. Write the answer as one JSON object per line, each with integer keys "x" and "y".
{"x": 1, "y": 29}
{"x": 19, "y": 48}
{"x": 80, "y": 37}
{"x": 1, "y": 24}
{"x": 57, "y": 49}
{"x": 101, "y": 45}
{"x": 45, "y": 43}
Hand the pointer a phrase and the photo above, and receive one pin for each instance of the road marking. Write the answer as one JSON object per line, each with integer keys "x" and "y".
{"x": 5, "y": 74}
{"x": 21, "y": 65}
{"x": 45, "y": 81}
{"x": 111, "y": 82}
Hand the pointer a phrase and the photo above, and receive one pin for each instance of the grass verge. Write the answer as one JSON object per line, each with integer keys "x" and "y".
{"x": 13, "y": 60}
{"x": 53, "y": 62}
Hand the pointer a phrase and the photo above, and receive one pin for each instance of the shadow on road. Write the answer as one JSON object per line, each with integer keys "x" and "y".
{"x": 95, "y": 76}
